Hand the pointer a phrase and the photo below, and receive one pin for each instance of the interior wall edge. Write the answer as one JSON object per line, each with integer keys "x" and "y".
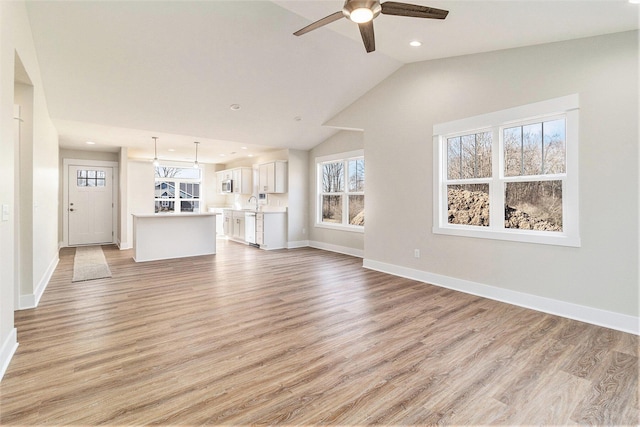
{"x": 32, "y": 300}
{"x": 594, "y": 316}
{"x": 7, "y": 350}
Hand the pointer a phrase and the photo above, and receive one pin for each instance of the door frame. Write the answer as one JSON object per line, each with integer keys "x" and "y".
{"x": 65, "y": 194}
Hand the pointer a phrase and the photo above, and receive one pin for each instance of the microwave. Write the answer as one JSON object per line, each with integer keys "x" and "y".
{"x": 227, "y": 186}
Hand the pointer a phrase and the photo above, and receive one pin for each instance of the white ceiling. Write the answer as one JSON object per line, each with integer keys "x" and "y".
{"x": 119, "y": 72}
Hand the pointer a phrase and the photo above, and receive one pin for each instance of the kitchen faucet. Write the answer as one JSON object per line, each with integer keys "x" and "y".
{"x": 254, "y": 197}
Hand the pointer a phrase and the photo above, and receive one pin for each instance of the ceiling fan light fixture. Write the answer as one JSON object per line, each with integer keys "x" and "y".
{"x": 361, "y": 15}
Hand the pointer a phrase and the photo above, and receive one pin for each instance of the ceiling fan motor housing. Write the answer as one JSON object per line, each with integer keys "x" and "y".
{"x": 351, "y": 5}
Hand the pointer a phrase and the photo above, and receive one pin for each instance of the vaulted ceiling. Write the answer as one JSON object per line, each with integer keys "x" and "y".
{"x": 119, "y": 72}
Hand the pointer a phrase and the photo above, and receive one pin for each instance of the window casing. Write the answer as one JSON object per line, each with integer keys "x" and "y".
{"x": 177, "y": 189}
{"x": 510, "y": 175}
{"x": 340, "y": 191}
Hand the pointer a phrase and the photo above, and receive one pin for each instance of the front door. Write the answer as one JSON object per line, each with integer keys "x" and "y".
{"x": 90, "y": 205}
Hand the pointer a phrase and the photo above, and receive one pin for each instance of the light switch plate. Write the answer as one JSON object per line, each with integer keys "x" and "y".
{"x": 5, "y": 212}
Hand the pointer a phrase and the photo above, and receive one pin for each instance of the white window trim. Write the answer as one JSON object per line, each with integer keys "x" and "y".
{"x": 496, "y": 121}
{"x": 318, "y": 214}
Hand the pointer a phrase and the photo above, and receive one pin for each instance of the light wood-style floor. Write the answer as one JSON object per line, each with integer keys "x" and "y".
{"x": 302, "y": 337}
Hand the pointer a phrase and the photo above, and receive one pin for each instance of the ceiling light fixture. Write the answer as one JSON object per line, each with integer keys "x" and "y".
{"x": 634, "y": 1}
{"x": 90, "y": 143}
{"x": 415, "y": 43}
{"x": 361, "y": 15}
{"x": 155, "y": 151}
{"x": 195, "y": 164}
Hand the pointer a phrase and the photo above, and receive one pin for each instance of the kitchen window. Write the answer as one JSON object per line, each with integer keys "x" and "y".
{"x": 177, "y": 189}
{"x": 341, "y": 180}
{"x": 510, "y": 175}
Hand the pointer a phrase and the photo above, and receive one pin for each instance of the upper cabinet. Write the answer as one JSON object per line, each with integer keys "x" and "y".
{"x": 241, "y": 178}
{"x": 273, "y": 177}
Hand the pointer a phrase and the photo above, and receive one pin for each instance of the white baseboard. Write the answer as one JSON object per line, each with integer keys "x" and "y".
{"x": 7, "y": 350}
{"x": 595, "y": 316}
{"x": 31, "y": 300}
{"x": 298, "y": 244}
{"x": 336, "y": 248}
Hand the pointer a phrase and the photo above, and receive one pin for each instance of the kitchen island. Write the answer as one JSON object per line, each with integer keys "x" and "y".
{"x": 173, "y": 235}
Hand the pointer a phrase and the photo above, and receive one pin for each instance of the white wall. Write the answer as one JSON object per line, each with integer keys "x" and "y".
{"x": 15, "y": 38}
{"x": 342, "y": 241}
{"x": 601, "y": 277}
{"x": 140, "y": 191}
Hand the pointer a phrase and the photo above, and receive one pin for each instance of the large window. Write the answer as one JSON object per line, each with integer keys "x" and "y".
{"x": 177, "y": 189}
{"x": 341, "y": 191}
{"x": 510, "y": 175}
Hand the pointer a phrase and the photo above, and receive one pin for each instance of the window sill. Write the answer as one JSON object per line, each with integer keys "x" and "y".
{"x": 524, "y": 236}
{"x": 341, "y": 227}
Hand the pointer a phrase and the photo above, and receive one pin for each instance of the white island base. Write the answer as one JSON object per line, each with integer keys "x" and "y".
{"x": 165, "y": 236}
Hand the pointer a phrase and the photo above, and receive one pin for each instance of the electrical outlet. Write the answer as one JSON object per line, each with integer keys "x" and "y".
{"x": 416, "y": 253}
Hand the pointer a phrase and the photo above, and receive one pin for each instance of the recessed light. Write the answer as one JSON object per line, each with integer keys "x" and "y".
{"x": 250, "y": 155}
{"x": 235, "y": 107}
{"x": 91, "y": 143}
{"x": 171, "y": 149}
{"x": 297, "y": 118}
{"x": 634, "y": 1}
{"x": 415, "y": 43}
{"x": 222, "y": 155}
{"x": 244, "y": 148}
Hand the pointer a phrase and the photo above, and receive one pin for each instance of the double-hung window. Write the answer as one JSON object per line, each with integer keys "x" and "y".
{"x": 510, "y": 175}
{"x": 177, "y": 189}
{"x": 340, "y": 202}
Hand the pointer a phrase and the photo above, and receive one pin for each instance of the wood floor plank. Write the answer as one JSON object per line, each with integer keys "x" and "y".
{"x": 302, "y": 337}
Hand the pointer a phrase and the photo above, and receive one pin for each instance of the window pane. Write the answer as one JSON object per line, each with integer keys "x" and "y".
{"x": 101, "y": 182}
{"x": 468, "y": 204}
{"x": 91, "y": 174}
{"x": 165, "y": 190}
{"x": 82, "y": 174}
{"x": 554, "y": 147}
{"x": 532, "y": 149}
{"x": 533, "y": 205}
{"x": 333, "y": 177}
{"x": 469, "y": 156}
{"x": 189, "y": 206}
{"x": 91, "y": 182}
{"x": 332, "y": 209}
{"x": 176, "y": 172}
{"x": 512, "y": 138}
{"x": 82, "y": 182}
{"x": 101, "y": 174}
{"x": 164, "y": 206}
{"x": 356, "y": 210}
{"x": 189, "y": 190}
{"x": 356, "y": 175}
{"x": 453, "y": 158}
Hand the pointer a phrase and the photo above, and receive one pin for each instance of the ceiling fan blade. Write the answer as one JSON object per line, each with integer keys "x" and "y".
{"x": 412, "y": 10}
{"x": 324, "y": 21}
{"x": 368, "y": 38}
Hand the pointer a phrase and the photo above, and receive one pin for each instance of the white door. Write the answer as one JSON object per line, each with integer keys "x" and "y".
{"x": 90, "y": 205}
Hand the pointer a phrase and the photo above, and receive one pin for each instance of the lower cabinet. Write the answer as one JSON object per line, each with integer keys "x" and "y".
{"x": 271, "y": 230}
{"x": 238, "y": 225}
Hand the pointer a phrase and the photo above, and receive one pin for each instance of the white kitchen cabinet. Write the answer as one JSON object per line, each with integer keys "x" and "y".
{"x": 271, "y": 230}
{"x": 273, "y": 177}
{"x": 227, "y": 222}
{"x": 242, "y": 180}
{"x": 238, "y": 226}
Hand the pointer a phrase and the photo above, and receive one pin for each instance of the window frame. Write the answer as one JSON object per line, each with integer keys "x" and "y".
{"x": 176, "y": 199}
{"x": 566, "y": 107}
{"x": 335, "y": 158}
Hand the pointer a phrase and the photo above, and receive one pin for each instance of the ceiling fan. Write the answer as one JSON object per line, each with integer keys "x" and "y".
{"x": 363, "y": 12}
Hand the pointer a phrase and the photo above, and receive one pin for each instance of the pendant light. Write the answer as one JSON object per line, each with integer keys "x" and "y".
{"x": 155, "y": 151}
{"x": 195, "y": 164}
